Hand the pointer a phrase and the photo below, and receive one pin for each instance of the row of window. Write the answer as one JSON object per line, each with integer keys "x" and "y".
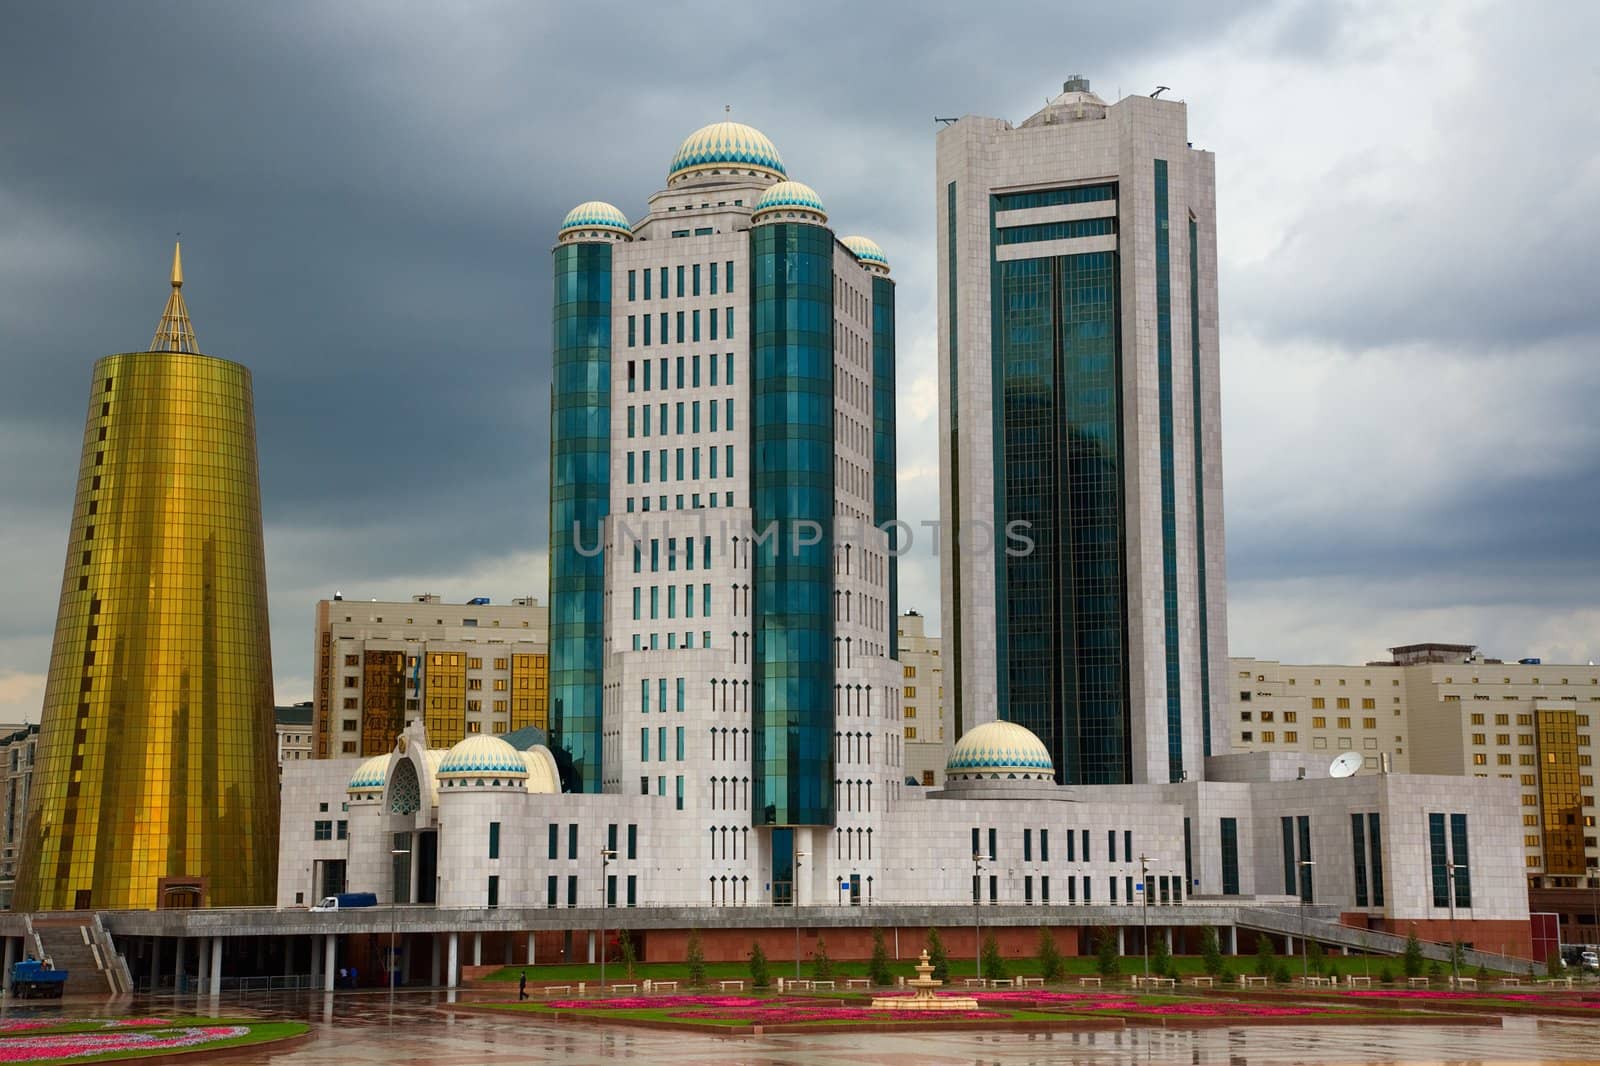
{"x": 325, "y": 829}
{"x": 672, "y": 601}
{"x": 1522, "y": 720}
{"x": 1317, "y": 721}
{"x": 639, "y": 470}
{"x": 640, "y": 417}
{"x": 1169, "y": 889}
{"x": 661, "y": 744}
{"x": 655, "y": 282}
{"x": 642, "y": 370}
{"x": 641, "y": 325}
{"x": 714, "y": 499}
{"x": 1076, "y": 842}
{"x": 653, "y": 642}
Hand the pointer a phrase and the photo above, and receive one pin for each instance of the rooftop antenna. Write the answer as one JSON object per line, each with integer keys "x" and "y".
{"x": 727, "y": 109}
{"x": 945, "y": 121}
{"x": 1159, "y": 90}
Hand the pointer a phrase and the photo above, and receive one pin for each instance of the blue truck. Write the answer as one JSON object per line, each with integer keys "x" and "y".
{"x": 345, "y": 901}
{"x": 35, "y": 979}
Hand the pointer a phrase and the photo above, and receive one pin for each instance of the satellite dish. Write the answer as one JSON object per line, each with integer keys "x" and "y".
{"x": 1345, "y": 765}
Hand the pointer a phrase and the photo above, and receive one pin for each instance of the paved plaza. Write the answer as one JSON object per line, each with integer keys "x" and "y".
{"x": 357, "y": 1030}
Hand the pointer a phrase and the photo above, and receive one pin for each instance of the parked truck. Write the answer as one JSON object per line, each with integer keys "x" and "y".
{"x": 35, "y": 979}
{"x": 345, "y": 901}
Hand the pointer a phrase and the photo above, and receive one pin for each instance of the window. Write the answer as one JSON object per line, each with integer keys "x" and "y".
{"x": 1318, "y": 722}
{"x": 322, "y": 830}
{"x": 494, "y": 840}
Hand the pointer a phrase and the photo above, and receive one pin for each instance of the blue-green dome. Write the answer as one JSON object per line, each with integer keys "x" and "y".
{"x": 726, "y": 146}
{"x": 1000, "y": 749}
{"x": 483, "y": 754}
{"x": 370, "y": 775}
{"x": 596, "y": 214}
{"x": 866, "y": 250}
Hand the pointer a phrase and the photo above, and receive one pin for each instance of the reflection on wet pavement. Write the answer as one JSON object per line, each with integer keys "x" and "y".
{"x": 360, "y": 1029}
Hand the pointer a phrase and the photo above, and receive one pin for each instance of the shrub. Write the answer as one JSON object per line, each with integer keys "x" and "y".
{"x": 695, "y": 958}
{"x": 1414, "y": 962}
{"x": 1281, "y": 973}
{"x": 1483, "y": 972}
{"x": 1434, "y": 970}
{"x": 1266, "y": 959}
{"x": 878, "y": 968}
{"x": 1106, "y": 961}
{"x": 936, "y": 956}
{"x": 1160, "y": 957}
{"x": 1386, "y": 974}
{"x": 821, "y": 965}
{"x": 1315, "y": 960}
{"x": 1211, "y": 952}
{"x": 994, "y": 967}
{"x": 1050, "y": 965}
{"x": 758, "y": 967}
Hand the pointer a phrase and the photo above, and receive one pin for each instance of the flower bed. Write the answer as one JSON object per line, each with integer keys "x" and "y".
{"x": 94, "y": 1039}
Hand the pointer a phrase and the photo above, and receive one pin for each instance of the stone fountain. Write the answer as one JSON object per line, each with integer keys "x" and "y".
{"x": 922, "y": 997}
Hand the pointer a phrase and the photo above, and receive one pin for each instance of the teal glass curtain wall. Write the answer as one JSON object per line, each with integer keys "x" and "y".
{"x": 792, "y": 479}
{"x": 1169, "y": 489}
{"x": 1199, "y": 482}
{"x": 1375, "y": 834}
{"x": 1358, "y": 852}
{"x": 1061, "y": 629}
{"x": 1230, "y": 856}
{"x": 884, "y": 492}
{"x": 580, "y": 474}
{"x": 1439, "y": 860}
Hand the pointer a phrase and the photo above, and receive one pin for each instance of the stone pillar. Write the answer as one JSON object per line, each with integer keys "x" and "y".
{"x": 477, "y": 949}
{"x": 202, "y": 965}
{"x": 433, "y": 943}
{"x": 530, "y": 949}
{"x": 452, "y": 959}
{"x": 1122, "y": 940}
{"x": 316, "y": 959}
{"x": 330, "y": 961}
{"x": 215, "y": 985}
{"x": 11, "y": 959}
{"x": 592, "y": 959}
{"x": 177, "y": 971}
{"x": 1168, "y": 932}
{"x": 508, "y": 948}
{"x": 155, "y": 962}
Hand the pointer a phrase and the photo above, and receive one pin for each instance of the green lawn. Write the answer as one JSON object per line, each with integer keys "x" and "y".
{"x": 260, "y": 1033}
{"x": 675, "y": 1016}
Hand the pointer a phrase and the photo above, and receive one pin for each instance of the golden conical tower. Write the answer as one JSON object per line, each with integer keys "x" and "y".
{"x": 155, "y": 783}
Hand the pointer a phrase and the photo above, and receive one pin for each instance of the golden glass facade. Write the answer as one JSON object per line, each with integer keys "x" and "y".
{"x": 446, "y": 714}
{"x": 156, "y": 756}
{"x": 384, "y": 698}
{"x": 530, "y": 691}
{"x": 1560, "y": 799}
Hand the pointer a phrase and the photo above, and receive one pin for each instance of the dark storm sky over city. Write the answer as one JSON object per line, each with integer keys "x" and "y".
{"x": 1408, "y": 205}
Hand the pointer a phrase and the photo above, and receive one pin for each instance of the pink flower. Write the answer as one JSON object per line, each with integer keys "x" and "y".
{"x": 73, "y": 1045}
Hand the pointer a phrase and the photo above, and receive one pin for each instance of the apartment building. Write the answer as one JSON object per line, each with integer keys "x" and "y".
{"x": 922, "y": 701}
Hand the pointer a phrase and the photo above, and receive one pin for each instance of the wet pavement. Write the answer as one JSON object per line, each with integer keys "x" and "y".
{"x": 359, "y": 1029}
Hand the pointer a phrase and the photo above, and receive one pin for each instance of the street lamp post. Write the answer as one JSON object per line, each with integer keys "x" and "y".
{"x": 1305, "y": 876}
{"x": 1144, "y": 889}
{"x": 794, "y": 901}
{"x": 606, "y": 856}
{"x": 394, "y": 921}
{"x": 977, "y": 919}
{"x": 1455, "y": 950}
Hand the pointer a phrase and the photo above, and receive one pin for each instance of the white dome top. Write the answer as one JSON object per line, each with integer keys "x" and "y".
{"x": 480, "y": 755}
{"x": 726, "y": 147}
{"x": 543, "y": 776}
{"x": 370, "y": 775}
{"x": 1000, "y": 749}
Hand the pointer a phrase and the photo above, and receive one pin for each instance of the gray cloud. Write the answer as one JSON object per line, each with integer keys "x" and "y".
{"x": 369, "y": 193}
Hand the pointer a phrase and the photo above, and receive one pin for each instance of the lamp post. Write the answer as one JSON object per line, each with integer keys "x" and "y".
{"x": 794, "y": 901}
{"x": 1455, "y": 952}
{"x": 1305, "y": 878}
{"x": 394, "y": 921}
{"x": 1144, "y": 890}
{"x": 977, "y": 919}
{"x": 606, "y": 857}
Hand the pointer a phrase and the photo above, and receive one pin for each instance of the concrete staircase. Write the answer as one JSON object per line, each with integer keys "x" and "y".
{"x": 80, "y": 945}
{"x": 1288, "y": 923}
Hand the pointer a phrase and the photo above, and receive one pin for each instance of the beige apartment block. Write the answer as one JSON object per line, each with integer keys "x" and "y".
{"x": 294, "y": 732}
{"x": 462, "y": 669}
{"x": 922, "y": 699}
{"x": 1446, "y": 709}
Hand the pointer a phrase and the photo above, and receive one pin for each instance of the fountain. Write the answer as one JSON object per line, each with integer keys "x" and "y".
{"x": 923, "y": 997}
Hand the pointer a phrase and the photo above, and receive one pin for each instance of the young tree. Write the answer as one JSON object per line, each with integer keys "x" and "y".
{"x": 758, "y": 966}
{"x": 629, "y": 953}
{"x": 695, "y": 958}
{"x": 1315, "y": 960}
{"x": 1413, "y": 963}
{"x": 878, "y": 969}
{"x": 1266, "y": 959}
{"x": 821, "y": 965}
{"x": 936, "y": 956}
{"x": 1280, "y": 974}
{"x": 994, "y": 967}
{"x": 1211, "y": 952}
{"x": 1386, "y": 974}
{"x": 1160, "y": 956}
{"x": 1050, "y": 965}
{"x": 1107, "y": 961}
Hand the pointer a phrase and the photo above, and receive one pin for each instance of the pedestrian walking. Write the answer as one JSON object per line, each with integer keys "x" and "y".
{"x": 522, "y": 986}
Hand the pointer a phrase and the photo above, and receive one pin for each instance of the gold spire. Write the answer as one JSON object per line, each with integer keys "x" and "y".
{"x": 175, "y": 333}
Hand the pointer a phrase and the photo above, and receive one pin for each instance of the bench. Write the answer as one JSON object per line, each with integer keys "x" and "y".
{"x": 1464, "y": 982}
{"x": 1358, "y": 982}
{"x": 737, "y": 986}
{"x": 858, "y": 982}
{"x": 1002, "y": 982}
{"x": 660, "y": 986}
{"x": 1085, "y": 982}
{"x": 798, "y": 982}
{"x": 1030, "y": 982}
{"x": 1317, "y": 981}
{"x": 1160, "y": 982}
{"x": 1203, "y": 982}
{"x": 565, "y": 990}
{"x": 1511, "y": 982}
{"x": 624, "y": 987}
{"x": 973, "y": 982}
{"x": 819, "y": 985}
{"x": 1250, "y": 980}
{"x": 1558, "y": 982}
{"x": 1417, "y": 982}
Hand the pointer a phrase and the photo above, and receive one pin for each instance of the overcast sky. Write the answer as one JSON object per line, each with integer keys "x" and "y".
{"x": 1409, "y": 218}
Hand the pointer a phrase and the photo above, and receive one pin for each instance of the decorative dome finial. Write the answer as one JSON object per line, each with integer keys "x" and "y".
{"x": 175, "y": 333}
